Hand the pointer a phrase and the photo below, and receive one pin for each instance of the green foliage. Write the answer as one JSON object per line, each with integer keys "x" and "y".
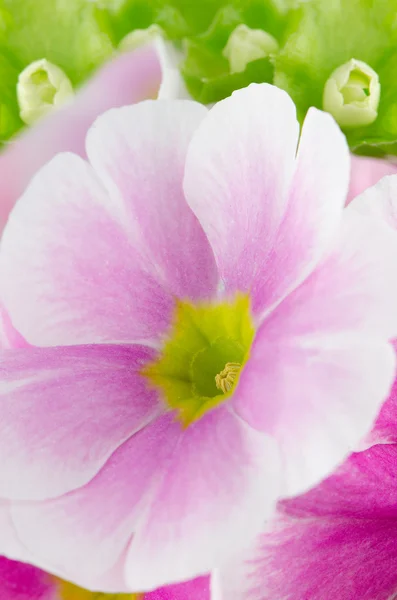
{"x": 73, "y": 34}
{"x": 324, "y": 34}
{"x": 315, "y": 37}
{"x": 206, "y": 71}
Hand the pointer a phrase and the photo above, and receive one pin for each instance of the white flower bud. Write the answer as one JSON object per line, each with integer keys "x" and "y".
{"x": 41, "y": 87}
{"x": 140, "y": 37}
{"x": 245, "y": 45}
{"x": 352, "y": 94}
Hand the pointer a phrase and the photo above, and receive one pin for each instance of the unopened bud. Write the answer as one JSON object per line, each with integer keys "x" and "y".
{"x": 245, "y": 45}
{"x": 352, "y": 94}
{"x": 41, "y": 87}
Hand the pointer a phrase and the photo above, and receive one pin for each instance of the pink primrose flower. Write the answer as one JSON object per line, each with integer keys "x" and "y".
{"x": 207, "y": 330}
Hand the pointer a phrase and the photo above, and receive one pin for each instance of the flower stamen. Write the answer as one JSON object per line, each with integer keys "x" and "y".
{"x": 225, "y": 380}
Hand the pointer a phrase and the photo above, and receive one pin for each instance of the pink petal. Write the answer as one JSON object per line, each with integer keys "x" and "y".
{"x": 379, "y": 202}
{"x": 362, "y": 487}
{"x": 219, "y": 487}
{"x": 19, "y": 581}
{"x": 320, "y": 366}
{"x": 70, "y": 272}
{"x": 318, "y": 559}
{"x": 348, "y": 294}
{"x": 129, "y": 78}
{"x": 314, "y": 211}
{"x": 10, "y": 545}
{"x": 238, "y": 171}
{"x": 179, "y": 514}
{"x": 337, "y": 541}
{"x": 384, "y": 430}
{"x": 268, "y": 219}
{"x": 64, "y": 411}
{"x": 195, "y": 589}
{"x": 322, "y": 401}
{"x": 139, "y": 154}
{"x": 9, "y": 336}
{"x": 83, "y": 534}
{"x": 365, "y": 172}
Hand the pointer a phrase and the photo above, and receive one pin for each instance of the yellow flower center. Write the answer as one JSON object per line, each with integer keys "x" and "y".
{"x": 202, "y": 356}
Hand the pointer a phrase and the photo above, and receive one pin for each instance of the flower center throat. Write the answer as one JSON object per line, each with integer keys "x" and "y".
{"x": 202, "y": 356}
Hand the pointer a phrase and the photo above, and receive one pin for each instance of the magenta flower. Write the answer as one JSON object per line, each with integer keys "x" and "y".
{"x": 20, "y": 581}
{"x": 337, "y": 541}
{"x": 208, "y": 331}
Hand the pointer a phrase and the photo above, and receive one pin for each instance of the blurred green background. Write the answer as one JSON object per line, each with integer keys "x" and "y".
{"x": 314, "y": 37}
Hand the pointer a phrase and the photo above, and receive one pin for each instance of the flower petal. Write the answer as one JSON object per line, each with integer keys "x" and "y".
{"x": 336, "y": 541}
{"x": 348, "y": 294}
{"x": 384, "y": 430}
{"x": 9, "y": 336}
{"x": 64, "y": 411}
{"x": 321, "y": 364}
{"x": 238, "y": 171}
{"x": 220, "y": 485}
{"x": 179, "y": 514}
{"x": 10, "y": 545}
{"x": 68, "y": 267}
{"x": 320, "y": 400}
{"x": 379, "y": 202}
{"x": 362, "y": 487}
{"x": 194, "y": 589}
{"x": 318, "y": 559}
{"x": 139, "y": 154}
{"x": 129, "y": 78}
{"x": 314, "y": 212}
{"x": 98, "y": 520}
{"x": 267, "y": 225}
{"x": 19, "y": 581}
{"x": 366, "y": 172}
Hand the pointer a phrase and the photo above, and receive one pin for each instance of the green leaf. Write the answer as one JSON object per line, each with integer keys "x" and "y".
{"x": 271, "y": 16}
{"x": 68, "y": 33}
{"x": 172, "y": 22}
{"x": 9, "y": 113}
{"x": 127, "y": 15}
{"x": 178, "y": 18}
{"x": 198, "y": 14}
